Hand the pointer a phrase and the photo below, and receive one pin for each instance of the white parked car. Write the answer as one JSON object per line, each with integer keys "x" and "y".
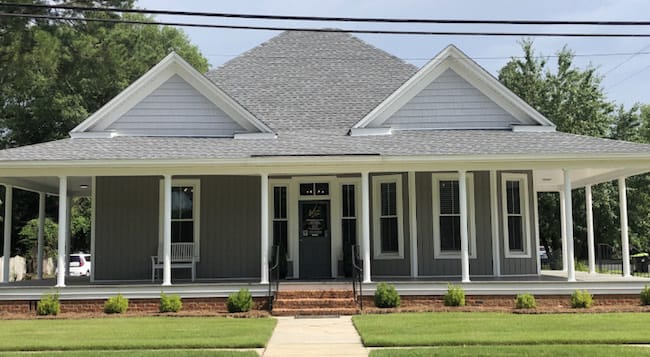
{"x": 80, "y": 264}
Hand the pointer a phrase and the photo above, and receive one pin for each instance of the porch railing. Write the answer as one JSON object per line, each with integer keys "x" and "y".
{"x": 274, "y": 276}
{"x": 357, "y": 277}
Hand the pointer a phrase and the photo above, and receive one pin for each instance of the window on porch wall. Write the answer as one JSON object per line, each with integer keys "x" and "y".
{"x": 446, "y": 215}
{"x": 182, "y": 214}
{"x": 515, "y": 215}
{"x": 348, "y": 225}
{"x": 280, "y": 220}
{"x": 449, "y": 216}
{"x": 388, "y": 218}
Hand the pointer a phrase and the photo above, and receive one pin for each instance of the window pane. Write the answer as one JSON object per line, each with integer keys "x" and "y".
{"x": 306, "y": 189}
{"x": 512, "y": 194}
{"x": 450, "y": 233}
{"x": 348, "y": 201}
{"x": 449, "y": 197}
{"x": 322, "y": 189}
{"x": 182, "y": 232}
{"x": 515, "y": 233}
{"x": 182, "y": 198}
{"x": 280, "y": 235}
{"x": 279, "y": 202}
{"x": 389, "y": 199}
{"x": 389, "y": 241}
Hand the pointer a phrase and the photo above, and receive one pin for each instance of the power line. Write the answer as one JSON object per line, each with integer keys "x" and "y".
{"x": 331, "y": 19}
{"x": 629, "y": 77}
{"x": 309, "y": 29}
{"x": 627, "y": 60}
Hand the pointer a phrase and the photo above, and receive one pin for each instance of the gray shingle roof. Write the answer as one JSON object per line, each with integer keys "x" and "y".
{"x": 306, "y": 143}
{"x": 307, "y": 80}
{"x": 310, "y": 88}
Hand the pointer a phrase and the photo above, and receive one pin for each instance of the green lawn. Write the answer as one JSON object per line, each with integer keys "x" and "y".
{"x": 516, "y": 351}
{"x": 134, "y": 333}
{"x": 449, "y": 328}
{"x": 139, "y": 353}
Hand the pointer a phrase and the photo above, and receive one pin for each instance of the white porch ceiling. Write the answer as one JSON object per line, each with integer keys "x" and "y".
{"x": 77, "y": 185}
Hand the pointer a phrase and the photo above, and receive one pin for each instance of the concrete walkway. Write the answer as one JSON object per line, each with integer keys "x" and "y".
{"x": 327, "y": 336}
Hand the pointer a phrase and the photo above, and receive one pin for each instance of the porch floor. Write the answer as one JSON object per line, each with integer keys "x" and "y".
{"x": 549, "y": 282}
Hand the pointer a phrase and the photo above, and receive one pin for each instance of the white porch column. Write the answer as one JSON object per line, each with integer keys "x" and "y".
{"x": 413, "y": 224}
{"x": 494, "y": 221}
{"x": 590, "y": 230}
{"x": 6, "y": 252}
{"x": 464, "y": 243}
{"x": 264, "y": 278}
{"x": 365, "y": 226}
{"x": 63, "y": 227}
{"x": 41, "y": 233}
{"x": 568, "y": 211}
{"x": 563, "y": 230}
{"x": 68, "y": 235}
{"x": 625, "y": 240}
{"x": 167, "y": 230}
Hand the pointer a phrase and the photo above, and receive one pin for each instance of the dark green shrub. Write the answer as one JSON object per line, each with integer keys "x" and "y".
{"x": 525, "y": 301}
{"x": 455, "y": 296}
{"x": 170, "y": 303}
{"x": 386, "y": 296}
{"x": 49, "y": 304}
{"x": 116, "y": 304}
{"x": 581, "y": 299}
{"x": 645, "y": 296}
{"x": 240, "y": 301}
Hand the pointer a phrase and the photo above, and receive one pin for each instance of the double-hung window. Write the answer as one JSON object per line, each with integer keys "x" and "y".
{"x": 446, "y": 215}
{"x": 185, "y": 213}
{"x": 516, "y": 226}
{"x": 280, "y": 219}
{"x": 388, "y": 237}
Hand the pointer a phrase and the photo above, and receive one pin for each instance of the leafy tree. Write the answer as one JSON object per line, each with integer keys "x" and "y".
{"x": 28, "y": 241}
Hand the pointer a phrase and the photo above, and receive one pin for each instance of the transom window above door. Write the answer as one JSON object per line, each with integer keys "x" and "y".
{"x": 315, "y": 189}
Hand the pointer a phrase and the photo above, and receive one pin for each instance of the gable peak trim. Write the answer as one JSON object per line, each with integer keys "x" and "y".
{"x": 449, "y": 58}
{"x": 172, "y": 64}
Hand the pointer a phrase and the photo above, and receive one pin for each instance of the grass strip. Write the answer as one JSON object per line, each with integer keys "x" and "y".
{"x": 134, "y": 333}
{"x": 139, "y": 353}
{"x": 450, "y": 328}
{"x": 517, "y": 351}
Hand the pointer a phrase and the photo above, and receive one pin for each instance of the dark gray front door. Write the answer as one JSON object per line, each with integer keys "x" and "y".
{"x": 315, "y": 239}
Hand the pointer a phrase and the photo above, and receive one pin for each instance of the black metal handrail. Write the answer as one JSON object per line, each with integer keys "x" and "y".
{"x": 274, "y": 276}
{"x": 357, "y": 277}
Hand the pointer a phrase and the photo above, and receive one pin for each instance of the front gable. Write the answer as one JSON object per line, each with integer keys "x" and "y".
{"x": 451, "y": 92}
{"x": 172, "y": 99}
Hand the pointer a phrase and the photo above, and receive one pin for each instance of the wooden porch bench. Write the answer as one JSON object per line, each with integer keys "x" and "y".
{"x": 182, "y": 257}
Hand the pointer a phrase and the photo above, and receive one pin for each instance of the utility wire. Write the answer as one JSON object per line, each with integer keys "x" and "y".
{"x": 330, "y": 19}
{"x": 628, "y": 77}
{"x": 627, "y": 60}
{"x": 309, "y": 29}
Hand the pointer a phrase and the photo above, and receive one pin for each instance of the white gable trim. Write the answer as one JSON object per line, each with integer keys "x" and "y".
{"x": 171, "y": 65}
{"x": 452, "y": 57}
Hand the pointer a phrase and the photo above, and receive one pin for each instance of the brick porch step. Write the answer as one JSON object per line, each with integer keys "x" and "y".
{"x": 314, "y": 302}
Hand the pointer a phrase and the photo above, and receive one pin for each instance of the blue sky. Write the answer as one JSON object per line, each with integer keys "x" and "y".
{"x": 626, "y": 76}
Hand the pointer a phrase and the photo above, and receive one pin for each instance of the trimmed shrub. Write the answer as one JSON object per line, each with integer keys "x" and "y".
{"x": 581, "y": 266}
{"x": 525, "y": 301}
{"x": 455, "y": 296}
{"x": 116, "y": 304}
{"x": 645, "y": 296}
{"x": 240, "y": 301}
{"x": 170, "y": 303}
{"x": 581, "y": 299}
{"x": 49, "y": 304}
{"x": 386, "y": 296}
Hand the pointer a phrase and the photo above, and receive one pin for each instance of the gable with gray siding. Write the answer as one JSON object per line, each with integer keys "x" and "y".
{"x": 450, "y": 102}
{"x": 176, "y": 109}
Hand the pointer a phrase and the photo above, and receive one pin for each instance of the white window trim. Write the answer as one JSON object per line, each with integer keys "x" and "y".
{"x": 272, "y": 185}
{"x": 196, "y": 213}
{"x": 438, "y": 253}
{"x": 376, "y": 212}
{"x": 525, "y": 212}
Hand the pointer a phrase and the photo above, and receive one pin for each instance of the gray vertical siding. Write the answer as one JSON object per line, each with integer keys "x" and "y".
{"x": 126, "y": 227}
{"x": 230, "y": 227}
{"x": 427, "y": 265}
{"x": 176, "y": 108}
{"x": 450, "y": 102}
{"x": 518, "y": 266}
{"x": 393, "y": 267}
